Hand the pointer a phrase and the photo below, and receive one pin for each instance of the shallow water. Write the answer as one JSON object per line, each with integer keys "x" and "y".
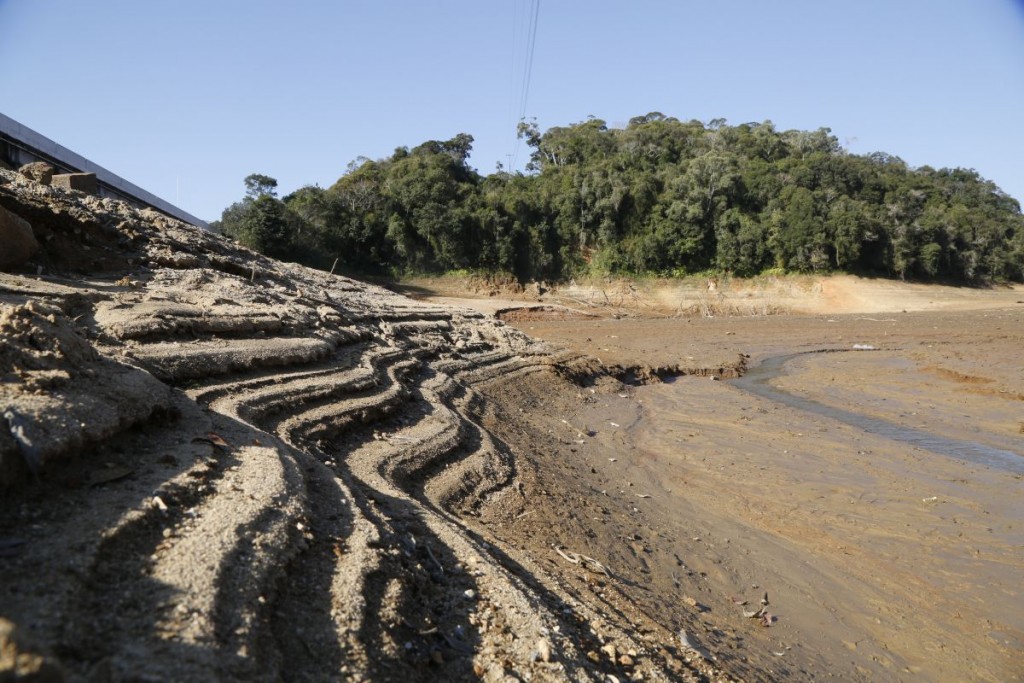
{"x": 758, "y": 381}
{"x": 882, "y": 557}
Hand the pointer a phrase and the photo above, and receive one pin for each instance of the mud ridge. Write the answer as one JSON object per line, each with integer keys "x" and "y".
{"x": 242, "y": 469}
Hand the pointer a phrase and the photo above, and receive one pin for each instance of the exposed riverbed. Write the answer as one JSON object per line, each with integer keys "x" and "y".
{"x": 876, "y": 495}
{"x": 763, "y": 380}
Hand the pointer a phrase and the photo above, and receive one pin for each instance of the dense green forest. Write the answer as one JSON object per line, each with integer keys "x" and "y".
{"x": 660, "y": 196}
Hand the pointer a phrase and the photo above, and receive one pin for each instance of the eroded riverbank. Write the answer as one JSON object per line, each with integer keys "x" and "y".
{"x": 242, "y": 470}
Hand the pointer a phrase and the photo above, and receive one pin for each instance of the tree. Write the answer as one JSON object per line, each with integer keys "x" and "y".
{"x": 265, "y": 227}
{"x": 253, "y": 221}
{"x": 798, "y": 236}
{"x": 847, "y": 225}
{"x": 312, "y": 214}
{"x": 258, "y": 185}
{"x": 660, "y": 195}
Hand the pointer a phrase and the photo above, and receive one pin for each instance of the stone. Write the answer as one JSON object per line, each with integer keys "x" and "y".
{"x": 21, "y": 660}
{"x": 536, "y": 289}
{"x": 17, "y": 242}
{"x": 39, "y": 171}
{"x": 544, "y": 650}
{"x": 83, "y": 182}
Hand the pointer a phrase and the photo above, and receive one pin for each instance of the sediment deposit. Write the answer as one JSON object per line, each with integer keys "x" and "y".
{"x": 218, "y": 466}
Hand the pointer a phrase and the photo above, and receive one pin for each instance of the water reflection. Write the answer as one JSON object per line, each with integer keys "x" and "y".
{"x": 758, "y": 380}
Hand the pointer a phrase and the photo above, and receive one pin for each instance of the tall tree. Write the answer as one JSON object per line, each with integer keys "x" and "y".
{"x": 660, "y": 195}
{"x": 258, "y": 185}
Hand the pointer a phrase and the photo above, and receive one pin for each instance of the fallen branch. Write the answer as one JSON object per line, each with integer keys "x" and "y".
{"x": 588, "y": 563}
{"x": 429, "y": 553}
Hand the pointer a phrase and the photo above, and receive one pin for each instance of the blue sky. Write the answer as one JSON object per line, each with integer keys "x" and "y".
{"x": 186, "y": 98}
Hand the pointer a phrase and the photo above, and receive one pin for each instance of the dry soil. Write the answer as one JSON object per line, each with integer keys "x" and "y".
{"x": 215, "y": 466}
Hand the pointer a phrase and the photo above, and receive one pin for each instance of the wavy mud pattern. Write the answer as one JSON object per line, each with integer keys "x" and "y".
{"x": 216, "y": 466}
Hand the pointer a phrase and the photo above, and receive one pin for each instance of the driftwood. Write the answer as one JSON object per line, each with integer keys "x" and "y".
{"x": 588, "y": 563}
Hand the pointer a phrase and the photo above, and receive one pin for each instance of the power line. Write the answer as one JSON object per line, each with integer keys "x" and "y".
{"x": 528, "y": 71}
{"x": 531, "y": 44}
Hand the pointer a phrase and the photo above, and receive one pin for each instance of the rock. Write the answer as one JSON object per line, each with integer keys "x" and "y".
{"x": 544, "y": 650}
{"x": 83, "y": 182}
{"x": 21, "y": 661}
{"x": 19, "y": 243}
{"x": 626, "y": 660}
{"x": 609, "y": 650}
{"x": 39, "y": 171}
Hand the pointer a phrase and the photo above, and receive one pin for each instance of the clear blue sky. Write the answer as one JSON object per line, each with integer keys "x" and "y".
{"x": 187, "y": 97}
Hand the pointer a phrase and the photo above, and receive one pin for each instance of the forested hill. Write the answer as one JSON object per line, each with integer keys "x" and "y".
{"x": 659, "y": 196}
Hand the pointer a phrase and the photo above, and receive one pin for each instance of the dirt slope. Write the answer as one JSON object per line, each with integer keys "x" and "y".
{"x": 217, "y": 466}
{"x": 721, "y": 296}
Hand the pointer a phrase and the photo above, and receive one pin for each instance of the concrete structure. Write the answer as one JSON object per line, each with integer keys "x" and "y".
{"x": 83, "y": 182}
{"x": 21, "y": 145}
{"x": 18, "y": 239}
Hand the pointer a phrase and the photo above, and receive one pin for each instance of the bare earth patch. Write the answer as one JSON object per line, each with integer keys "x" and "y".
{"x": 883, "y": 558}
{"x": 216, "y": 466}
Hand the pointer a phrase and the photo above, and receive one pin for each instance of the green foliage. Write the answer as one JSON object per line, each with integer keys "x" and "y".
{"x": 265, "y": 227}
{"x": 658, "y": 196}
{"x": 262, "y": 222}
{"x": 258, "y": 185}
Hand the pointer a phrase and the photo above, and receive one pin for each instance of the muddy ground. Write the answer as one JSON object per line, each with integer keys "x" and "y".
{"x": 883, "y": 558}
{"x": 216, "y": 466}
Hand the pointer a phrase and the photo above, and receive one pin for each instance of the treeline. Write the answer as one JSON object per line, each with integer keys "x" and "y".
{"x": 660, "y": 196}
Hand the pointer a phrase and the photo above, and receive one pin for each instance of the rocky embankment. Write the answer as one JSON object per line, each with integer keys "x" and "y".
{"x": 217, "y": 466}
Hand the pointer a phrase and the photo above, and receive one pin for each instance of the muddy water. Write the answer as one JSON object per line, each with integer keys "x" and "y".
{"x": 760, "y": 381}
{"x": 889, "y": 534}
